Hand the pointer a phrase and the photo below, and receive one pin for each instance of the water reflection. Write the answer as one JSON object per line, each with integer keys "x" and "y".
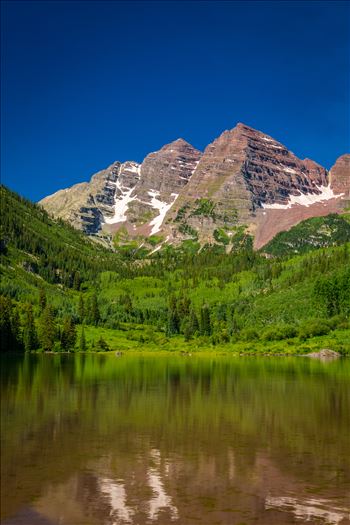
{"x": 99, "y": 440}
{"x": 160, "y": 498}
{"x": 310, "y": 509}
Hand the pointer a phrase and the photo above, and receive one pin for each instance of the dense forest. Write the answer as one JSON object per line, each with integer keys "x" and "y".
{"x": 60, "y": 291}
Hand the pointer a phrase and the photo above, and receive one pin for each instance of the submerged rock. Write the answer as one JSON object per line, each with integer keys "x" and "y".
{"x": 324, "y": 354}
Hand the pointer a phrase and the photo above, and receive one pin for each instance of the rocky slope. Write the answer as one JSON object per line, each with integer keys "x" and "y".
{"x": 88, "y": 205}
{"x": 340, "y": 176}
{"x": 132, "y": 195}
{"x": 240, "y": 173}
{"x": 244, "y": 179}
{"x": 163, "y": 175}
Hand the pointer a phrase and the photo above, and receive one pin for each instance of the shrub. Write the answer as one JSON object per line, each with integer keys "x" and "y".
{"x": 153, "y": 240}
{"x": 249, "y": 334}
{"x": 186, "y": 229}
{"x": 279, "y": 332}
{"x": 314, "y": 327}
{"x": 101, "y": 345}
{"x": 205, "y": 207}
{"x": 339, "y": 321}
{"x": 57, "y": 347}
{"x": 221, "y": 236}
{"x": 220, "y": 337}
{"x": 112, "y": 324}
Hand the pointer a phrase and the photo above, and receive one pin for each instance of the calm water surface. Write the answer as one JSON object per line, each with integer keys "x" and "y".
{"x": 186, "y": 440}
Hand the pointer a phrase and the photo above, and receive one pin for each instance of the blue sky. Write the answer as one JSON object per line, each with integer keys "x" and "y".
{"x": 88, "y": 83}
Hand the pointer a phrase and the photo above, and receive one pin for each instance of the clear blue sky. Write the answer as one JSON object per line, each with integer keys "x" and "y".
{"x": 87, "y": 83}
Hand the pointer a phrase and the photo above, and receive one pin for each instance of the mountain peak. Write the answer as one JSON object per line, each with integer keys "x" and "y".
{"x": 240, "y": 125}
{"x": 180, "y": 141}
{"x": 178, "y": 144}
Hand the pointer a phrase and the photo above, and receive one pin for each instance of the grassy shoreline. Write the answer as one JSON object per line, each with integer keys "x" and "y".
{"x": 121, "y": 341}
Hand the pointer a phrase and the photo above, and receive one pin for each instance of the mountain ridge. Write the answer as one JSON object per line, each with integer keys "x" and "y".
{"x": 243, "y": 178}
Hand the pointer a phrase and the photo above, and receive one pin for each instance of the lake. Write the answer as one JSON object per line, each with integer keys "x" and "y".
{"x": 161, "y": 439}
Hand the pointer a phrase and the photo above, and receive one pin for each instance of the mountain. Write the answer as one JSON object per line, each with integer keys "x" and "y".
{"x": 244, "y": 179}
{"x": 134, "y": 195}
{"x": 163, "y": 175}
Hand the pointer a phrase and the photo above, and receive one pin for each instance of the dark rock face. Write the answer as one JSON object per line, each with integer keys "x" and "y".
{"x": 90, "y": 219}
{"x": 273, "y": 173}
{"x": 104, "y": 199}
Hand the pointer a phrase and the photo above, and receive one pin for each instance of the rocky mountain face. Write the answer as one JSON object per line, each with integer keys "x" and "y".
{"x": 87, "y": 206}
{"x": 243, "y": 181}
{"x": 135, "y": 196}
{"x": 240, "y": 173}
{"x": 163, "y": 175}
{"x": 340, "y": 176}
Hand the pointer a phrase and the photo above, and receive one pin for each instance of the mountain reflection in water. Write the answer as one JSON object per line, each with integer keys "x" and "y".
{"x": 91, "y": 439}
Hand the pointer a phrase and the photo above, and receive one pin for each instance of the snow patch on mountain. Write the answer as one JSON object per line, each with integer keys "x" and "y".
{"x": 132, "y": 168}
{"x": 121, "y": 204}
{"x": 305, "y": 199}
{"x": 162, "y": 207}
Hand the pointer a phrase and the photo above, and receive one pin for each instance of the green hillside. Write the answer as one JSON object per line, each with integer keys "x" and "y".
{"x": 60, "y": 292}
{"x": 311, "y": 234}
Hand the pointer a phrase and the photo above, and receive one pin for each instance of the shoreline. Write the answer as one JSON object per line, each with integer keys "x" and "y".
{"x": 315, "y": 356}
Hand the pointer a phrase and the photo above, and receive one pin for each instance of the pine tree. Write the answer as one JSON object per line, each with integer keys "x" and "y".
{"x": 126, "y": 302}
{"x": 101, "y": 345}
{"x": 94, "y": 311}
{"x": 183, "y": 307}
{"x": 42, "y": 299}
{"x": 68, "y": 334}
{"x": 47, "y": 329}
{"x": 16, "y": 327}
{"x": 205, "y": 325}
{"x": 82, "y": 340}
{"x": 187, "y": 332}
{"x": 194, "y": 324}
{"x": 81, "y": 309}
{"x": 7, "y": 338}
{"x": 76, "y": 281}
{"x": 190, "y": 325}
{"x": 173, "y": 324}
{"x": 30, "y": 339}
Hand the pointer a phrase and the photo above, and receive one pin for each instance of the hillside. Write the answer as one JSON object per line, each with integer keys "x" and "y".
{"x": 311, "y": 234}
{"x": 176, "y": 298}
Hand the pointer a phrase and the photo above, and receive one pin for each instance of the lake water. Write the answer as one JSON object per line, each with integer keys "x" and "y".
{"x": 100, "y": 439}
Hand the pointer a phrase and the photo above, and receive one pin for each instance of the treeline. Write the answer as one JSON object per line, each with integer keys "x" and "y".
{"x": 27, "y": 327}
{"x": 22, "y": 331}
{"x": 225, "y": 322}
